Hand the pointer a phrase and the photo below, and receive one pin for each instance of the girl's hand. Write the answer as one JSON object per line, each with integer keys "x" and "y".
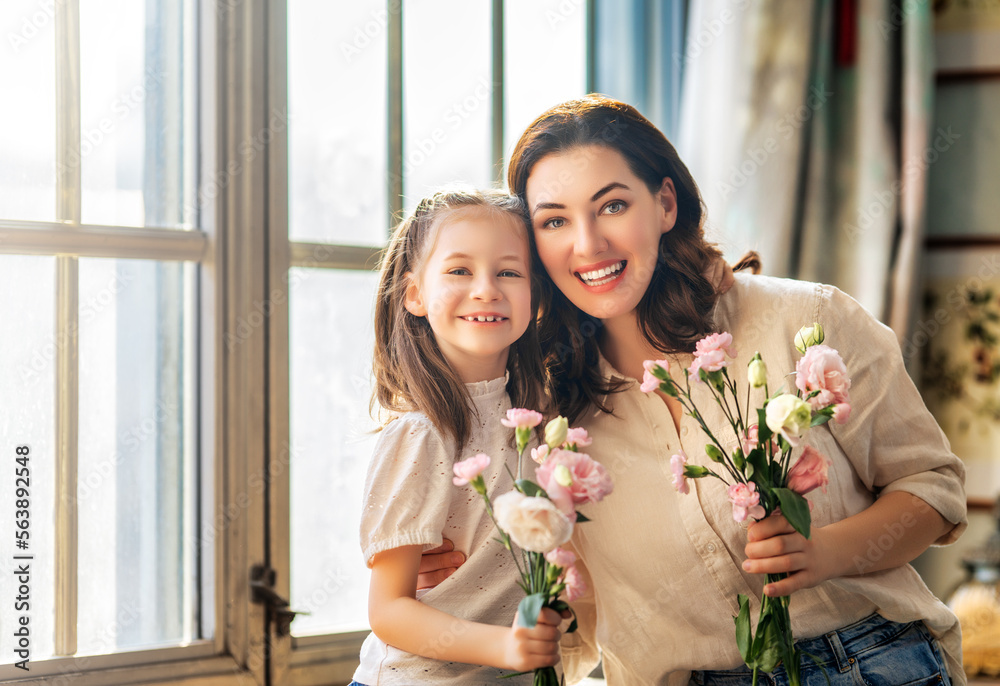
{"x": 773, "y": 547}
{"x": 528, "y": 649}
{"x": 438, "y": 564}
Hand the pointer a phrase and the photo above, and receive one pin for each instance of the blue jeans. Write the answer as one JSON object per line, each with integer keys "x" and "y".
{"x": 872, "y": 651}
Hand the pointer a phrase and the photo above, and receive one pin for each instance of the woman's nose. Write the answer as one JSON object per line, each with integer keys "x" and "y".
{"x": 588, "y": 240}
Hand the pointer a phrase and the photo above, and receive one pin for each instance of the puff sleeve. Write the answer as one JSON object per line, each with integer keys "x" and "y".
{"x": 408, "y": 488}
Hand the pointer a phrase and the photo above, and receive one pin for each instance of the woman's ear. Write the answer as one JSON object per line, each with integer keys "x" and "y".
{"x": 412, "y": 300}
{"x": 668, "y": 201}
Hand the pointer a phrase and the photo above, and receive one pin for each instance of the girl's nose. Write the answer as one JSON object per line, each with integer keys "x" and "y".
{"x": 486, "y": 288}
{"x": 588, "y": 240}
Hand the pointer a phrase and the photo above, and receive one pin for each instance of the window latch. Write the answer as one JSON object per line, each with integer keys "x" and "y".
{"x": 262, "y": 592}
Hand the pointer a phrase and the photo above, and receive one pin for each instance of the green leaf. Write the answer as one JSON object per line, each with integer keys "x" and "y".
{"x": 580, "y": 517}
{"x": 761, "y": 465}
{"x": 768, "y": 642}
{"x": 530, "y": 488}
{"x": 669, "y": 388}
{"x": 527, "y": 611}
{"x": 796, "y": 510}
{"x": 763, "y": 433}
{"x": 742, "y": 620}
{"x": 819, "y": 419}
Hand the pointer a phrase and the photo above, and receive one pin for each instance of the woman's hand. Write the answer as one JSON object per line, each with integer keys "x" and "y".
{"x": 773, "y": 547}
{"x": 527, "y": 649}
{"x": 438, "y": 564}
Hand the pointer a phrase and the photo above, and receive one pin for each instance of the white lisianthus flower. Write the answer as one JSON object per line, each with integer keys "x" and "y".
{"x": 533, "y": 523}
{"x": 809, "y": 336}
{"x": 788, "y": 415}
{"x": 556, "y": 431}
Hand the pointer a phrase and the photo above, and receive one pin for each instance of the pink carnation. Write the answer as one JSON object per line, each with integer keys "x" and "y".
{"x": 467, "y": 470}
{"x": 589, "y": 481}
{"x": 841, "y": 412}
{"x": 677, "y": 463}
{"x": 518, "y": 418}
{"x": 560, "y": 557}
{"x": 578, "y": 436}
{"x": 809, "y": 472}
{"x": 746, "y": 502}
{"x": 575, "y": 587}
{"x": 540, "y": 453}
{"x": 750, "y": 439}
{"x": 710, "y": 354}
{"x": 649, "y": 382}
{"x": 821, "y": 369}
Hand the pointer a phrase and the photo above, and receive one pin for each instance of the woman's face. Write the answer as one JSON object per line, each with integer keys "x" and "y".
{"x": 597, "y": 227}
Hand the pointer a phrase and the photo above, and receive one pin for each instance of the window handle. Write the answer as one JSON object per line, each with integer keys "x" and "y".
{"x": 262, "y": 592}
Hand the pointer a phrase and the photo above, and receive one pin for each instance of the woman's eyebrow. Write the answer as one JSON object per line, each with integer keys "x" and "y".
{"x": 559, "y": 206}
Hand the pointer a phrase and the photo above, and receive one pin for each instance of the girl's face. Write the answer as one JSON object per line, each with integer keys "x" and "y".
{"x": 597, "y": 227}
{"x": 474, "y": 289}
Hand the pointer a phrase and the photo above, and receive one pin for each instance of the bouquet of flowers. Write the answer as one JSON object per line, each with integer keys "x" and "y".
{"x": 759, "y": 470}
{"x": 539, "y": 517}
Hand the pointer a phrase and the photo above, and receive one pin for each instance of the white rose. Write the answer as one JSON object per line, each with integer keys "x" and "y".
{"x": 533, "y": 523}
{"x": 789, "y": 416}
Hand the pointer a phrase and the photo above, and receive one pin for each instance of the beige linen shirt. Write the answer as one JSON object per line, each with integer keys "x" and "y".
{"x": 664, "y": 569}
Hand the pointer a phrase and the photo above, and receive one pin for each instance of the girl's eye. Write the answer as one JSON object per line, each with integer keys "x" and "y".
{"x": 554, "y": 223}
{"x": 459, "y": 271}
{"x": 615, "y": 207}
{"x": 510, "y": 273}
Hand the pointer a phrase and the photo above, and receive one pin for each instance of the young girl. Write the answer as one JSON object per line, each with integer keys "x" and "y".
{"x": 455, "y": 346}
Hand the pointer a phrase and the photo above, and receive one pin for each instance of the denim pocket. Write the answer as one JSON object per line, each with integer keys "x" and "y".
{"x": 910, "y": 659}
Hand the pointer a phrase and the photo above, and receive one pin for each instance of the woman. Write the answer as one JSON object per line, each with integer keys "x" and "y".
{"x": 617, "y": 234}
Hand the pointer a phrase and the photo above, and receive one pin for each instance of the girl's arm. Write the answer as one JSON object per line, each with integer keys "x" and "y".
{"x": 891, "y": 532}
{"x": 400, "y": 620}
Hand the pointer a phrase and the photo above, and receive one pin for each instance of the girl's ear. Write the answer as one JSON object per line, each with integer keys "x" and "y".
{"x": 668, "y": 201}
{"x": 412, "y": 300}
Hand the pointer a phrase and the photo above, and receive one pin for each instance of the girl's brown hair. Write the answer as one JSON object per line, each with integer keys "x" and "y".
{"x": 675, "y": 312}
{"x": 410, "y": 372}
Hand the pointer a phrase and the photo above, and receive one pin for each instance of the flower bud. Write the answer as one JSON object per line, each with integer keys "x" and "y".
{"x": 757, "y": 372}
{"x": 562, "y": 476}
{"x": 555, "y": 432}
{"x": 714, "y": 454}
{"x": 809, "y": 336}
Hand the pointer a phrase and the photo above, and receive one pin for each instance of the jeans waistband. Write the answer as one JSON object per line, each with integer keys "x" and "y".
{"x": 867, "y": 633}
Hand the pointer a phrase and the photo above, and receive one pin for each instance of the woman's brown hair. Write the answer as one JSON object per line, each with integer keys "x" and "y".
{"x": 410, "y": 372}
{"x": 675, "y": 312}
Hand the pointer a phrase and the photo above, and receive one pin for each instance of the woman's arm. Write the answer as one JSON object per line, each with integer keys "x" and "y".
{"x": 891, "y": 532}
{"x": 400, "y": 620}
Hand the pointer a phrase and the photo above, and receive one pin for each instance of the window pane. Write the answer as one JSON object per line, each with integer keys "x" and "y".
{"x": 137, "y": 132}
{"x": 447, "y": 95}
{"x": 331, "y": 348}
{"x": 28, "y": 117}
{"x": 27, "y": 417}
{"x": 337, "y": 130}
{"x": 549, "y": 33}
{"x": 137, "y": 486}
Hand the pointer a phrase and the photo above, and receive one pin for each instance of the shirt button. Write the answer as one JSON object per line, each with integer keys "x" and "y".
{"x": 710, "y": 547}
{"x": 685, "y": 431}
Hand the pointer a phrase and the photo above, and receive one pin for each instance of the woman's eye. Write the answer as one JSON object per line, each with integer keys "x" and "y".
{"x": 615, "y": 207}
{"x": 509, "y": 273}
{"x": 554, "y": 223}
